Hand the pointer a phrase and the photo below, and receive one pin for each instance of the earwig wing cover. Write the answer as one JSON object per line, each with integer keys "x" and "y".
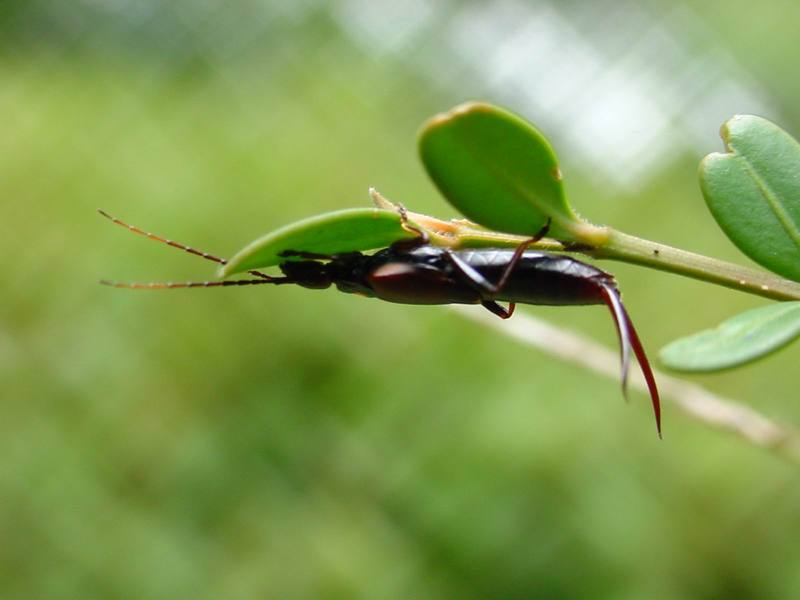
{"x": 349, "y": 230}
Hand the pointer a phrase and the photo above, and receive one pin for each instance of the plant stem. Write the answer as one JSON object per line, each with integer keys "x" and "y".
{"x": 623, "y": 247}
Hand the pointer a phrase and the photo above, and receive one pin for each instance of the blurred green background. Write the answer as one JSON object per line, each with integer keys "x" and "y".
{"x": 287, "y": 443}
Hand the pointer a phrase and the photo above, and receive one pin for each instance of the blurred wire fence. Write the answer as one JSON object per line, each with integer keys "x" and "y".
{"x": 627, "y": 85}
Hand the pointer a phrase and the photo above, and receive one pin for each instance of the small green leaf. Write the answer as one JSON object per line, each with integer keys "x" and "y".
{"x": 753, "y": 191}
{"x": 336, "y": 232}
{"x": 739, "y": 340}
{"x": 496, "y": 169}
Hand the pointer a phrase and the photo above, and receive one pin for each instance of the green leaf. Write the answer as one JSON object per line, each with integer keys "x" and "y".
{"x": 753, "y": 191}
{"x": 497, "y": 170}
{"x": 739, "y": 340}
{"x": 347, "y": 230}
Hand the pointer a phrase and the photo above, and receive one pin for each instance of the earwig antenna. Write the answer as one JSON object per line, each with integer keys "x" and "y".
{"x": 629, "y": 340}
{"x": 169, "y": 285}
{"x": 177, "y": 245}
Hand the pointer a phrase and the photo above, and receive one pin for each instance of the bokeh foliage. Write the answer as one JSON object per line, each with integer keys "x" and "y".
{"x": 289, "y": 443}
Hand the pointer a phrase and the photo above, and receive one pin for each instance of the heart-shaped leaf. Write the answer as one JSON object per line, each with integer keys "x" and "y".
{"x": 496, "y": 169}
{"x": 739, "y": 340}
{"x": 336, "y": 232}
{"x": 753, "y": 191}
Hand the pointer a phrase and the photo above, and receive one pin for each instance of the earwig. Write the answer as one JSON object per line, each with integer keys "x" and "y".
{"x": 412, "y": 271}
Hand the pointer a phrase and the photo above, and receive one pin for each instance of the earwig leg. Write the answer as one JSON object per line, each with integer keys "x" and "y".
{"x": 175, "y": 244}
{"x": 479, "y": 281}
{"x": 421, "y": 238}
{"x": 629, "y": 340}
{"x": 542, "y": 232}
{"x": 495, "y": 308}
{"x": 471, "y": 275}
{"x": 518, "y": 255}
{"x": 481, "y": 285}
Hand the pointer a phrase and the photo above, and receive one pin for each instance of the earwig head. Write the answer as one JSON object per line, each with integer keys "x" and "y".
{"x": 307, "y": 273}
{"x": 318, "y": 276}
{"x": 346, "y": 271}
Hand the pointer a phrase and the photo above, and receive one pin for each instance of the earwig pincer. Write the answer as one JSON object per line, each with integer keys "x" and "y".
{"x": 412, "y": 271}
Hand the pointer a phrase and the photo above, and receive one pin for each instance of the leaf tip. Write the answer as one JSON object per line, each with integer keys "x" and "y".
{"x": 470, "y": 106}
{"x": 224, "y": 271}
{"x": 710, "y": 159}
{"x": 733, "y": 126}
{"x": 465, "y": 108}
{"x": 744, "y": 125}
{"x": 380, "y": 201}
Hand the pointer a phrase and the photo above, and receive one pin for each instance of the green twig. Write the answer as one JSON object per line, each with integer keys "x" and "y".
{"x": 627, "y": 248}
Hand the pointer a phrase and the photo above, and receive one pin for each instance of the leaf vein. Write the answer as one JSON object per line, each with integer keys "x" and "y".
{"x": 774, "y": 202}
